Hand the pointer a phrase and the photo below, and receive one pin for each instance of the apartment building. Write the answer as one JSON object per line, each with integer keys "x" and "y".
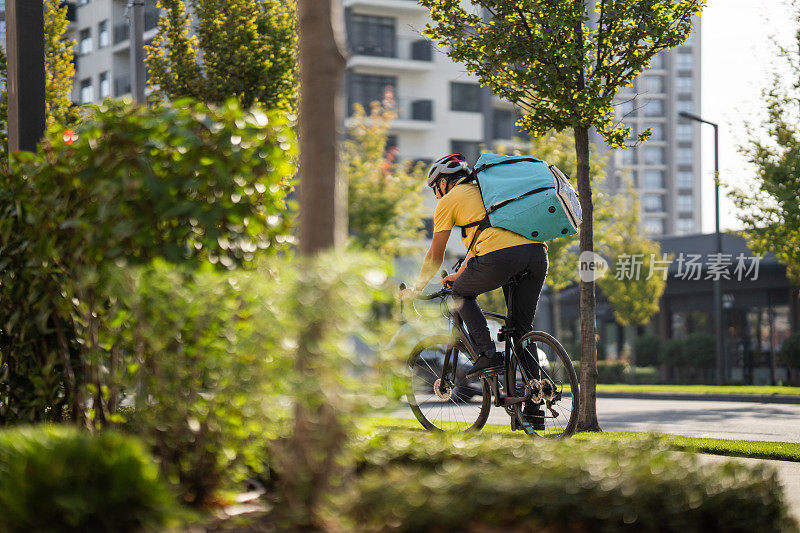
{"x": 665, "y": 169}
{"x": 100, "y": 29}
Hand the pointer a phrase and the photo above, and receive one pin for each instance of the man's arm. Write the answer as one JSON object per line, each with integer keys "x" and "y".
{"x": 433, "y": 259}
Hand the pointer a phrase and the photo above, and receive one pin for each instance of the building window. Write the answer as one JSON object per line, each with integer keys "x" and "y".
{"x": 653, "y": 84}
{"x": 684, "y": 225}
{"x": 657, "y": 62}
{"x": 85, "y": 41}
{"x": 465, "y": 96}
{"x": 684, "y": 133}
{"x": 653, "y": 155}
{"x": 685, "y": 156}
{"x": 656, "y": 132}
{"x": 685, "y": 179}
{"x": 653, "y": 108}
{"x": 86, "y": 91}
{"x": 684, "y": 84}
{"x": 372, "y": 36}
{"x": 653, "y": 226}
{"x": 653, "y": 179}
{"x": 504, "y": 124}
{"x": 103, "y": 38}
{"x": 686, "y": 106}
{"x": 627, "y": 108}
{"x": 471, "y": 150}
{"x": 653, "y": 202}
{"x": 83, "y": 2}
{"x": 684, "y": 61}
{"x": 105, "y": 85}
{"x": 367, "y": 88}
{"x": 685, "y": 203}
{"x": 627, "y": 157}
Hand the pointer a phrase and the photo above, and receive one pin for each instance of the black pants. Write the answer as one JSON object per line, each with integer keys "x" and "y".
{"x": 488, "y": 272}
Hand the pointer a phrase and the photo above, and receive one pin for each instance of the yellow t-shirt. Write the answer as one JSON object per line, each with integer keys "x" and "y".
{"x": 462, "y": 205}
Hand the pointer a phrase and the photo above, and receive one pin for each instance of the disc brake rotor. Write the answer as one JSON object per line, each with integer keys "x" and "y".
{"x": 443, "y": 393}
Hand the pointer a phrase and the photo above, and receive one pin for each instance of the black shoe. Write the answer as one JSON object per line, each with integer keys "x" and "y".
{"x": 486, "y": 364}
{"x": 534, "y": 415}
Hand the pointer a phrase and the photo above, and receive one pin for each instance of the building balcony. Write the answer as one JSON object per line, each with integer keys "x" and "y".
{"x": 387, "y": 6}
{"x": 401, "y": 54}
{"x": 413, "y": 114}
{"x": 122, "y": 29}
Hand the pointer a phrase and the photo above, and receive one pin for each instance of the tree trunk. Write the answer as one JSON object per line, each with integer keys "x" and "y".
{"x": 587, "y": 415}
{"x": 317, "y": 434}
{"x": 321, "y": 193}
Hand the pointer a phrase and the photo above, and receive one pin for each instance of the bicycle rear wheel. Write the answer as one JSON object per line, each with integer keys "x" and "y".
{"x": 551, "y": 378}
{"x": 452, "y": 404}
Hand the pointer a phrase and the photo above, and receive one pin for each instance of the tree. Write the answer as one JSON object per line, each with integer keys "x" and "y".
{"x": 318, "y": 433}
{"x": 635, "y": 286}
{"x": 562, "y": 62}
{"x": 385, "y": 197}
{"x": 59, "y": 71}
{"x": 768, "y": 205}
{"x": 237, "y": 48}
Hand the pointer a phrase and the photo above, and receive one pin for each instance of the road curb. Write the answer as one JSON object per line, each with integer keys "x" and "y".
{"x": 756, "y": 398}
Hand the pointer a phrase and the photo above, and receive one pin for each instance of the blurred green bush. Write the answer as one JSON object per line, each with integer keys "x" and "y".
{"x": 645, "y": 375}
{"x": 426, "y": 483}
{"x": 612, "y": 371}
{"x": 183, "y": 182}
{"x": 211, "y": 355}
{"x": 647, "y": 347}
{"x": 62, "y": 479}
{"x": 790, "y": 351}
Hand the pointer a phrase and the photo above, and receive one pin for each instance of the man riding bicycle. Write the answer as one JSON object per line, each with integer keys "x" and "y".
{"x": 495, "y": 256}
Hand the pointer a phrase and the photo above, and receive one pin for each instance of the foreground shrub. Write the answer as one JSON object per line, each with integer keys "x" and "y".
{"x": 426, "y": 483}
{"x": 60, "y": 479}
{"x": 182, "y": 182}
{"x": 213, "y": 372}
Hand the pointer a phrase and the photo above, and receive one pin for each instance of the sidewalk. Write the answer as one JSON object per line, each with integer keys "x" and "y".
{"x": 788, "y": 473}
{"x": 758, "y": 398}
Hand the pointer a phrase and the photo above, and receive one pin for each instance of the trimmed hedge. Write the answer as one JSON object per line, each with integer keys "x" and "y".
{"x": 61, "y": 479}
{"x": 646, "y": 348}
{"x": 425, "y": 483}
{"x": 613, "y": 371}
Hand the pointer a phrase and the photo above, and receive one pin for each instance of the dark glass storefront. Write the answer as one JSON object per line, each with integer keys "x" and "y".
{"x": 759, "y": 311}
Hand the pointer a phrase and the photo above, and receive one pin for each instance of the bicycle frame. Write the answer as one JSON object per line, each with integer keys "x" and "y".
{"x": 462, "y": 341}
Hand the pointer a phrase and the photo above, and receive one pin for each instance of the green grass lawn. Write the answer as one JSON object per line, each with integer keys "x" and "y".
{"x": 702, "y": 389}
{"x": 784, "y": 451}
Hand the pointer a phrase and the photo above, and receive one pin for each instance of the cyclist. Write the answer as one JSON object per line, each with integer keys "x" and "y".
{"x": 493, "y": 259}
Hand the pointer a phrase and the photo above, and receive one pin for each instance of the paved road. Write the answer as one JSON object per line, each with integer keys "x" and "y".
{"x": 711, "y": 419}
{"x": 692, "y": 418}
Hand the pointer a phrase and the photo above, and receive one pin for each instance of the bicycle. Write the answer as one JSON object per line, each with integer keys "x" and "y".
{"x": 440, "y": 396}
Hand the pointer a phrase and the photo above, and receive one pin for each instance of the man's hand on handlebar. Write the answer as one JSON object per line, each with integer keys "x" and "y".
{"x": 448, "y": 281}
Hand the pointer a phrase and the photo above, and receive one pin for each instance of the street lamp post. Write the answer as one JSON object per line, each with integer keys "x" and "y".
{"x": 721, "y": 370}
{"x": 136, "y": 17}
{"x": 26, "y": 78}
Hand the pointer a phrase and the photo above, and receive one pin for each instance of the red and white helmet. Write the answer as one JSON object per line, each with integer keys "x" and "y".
{"x": 446, "y": 167}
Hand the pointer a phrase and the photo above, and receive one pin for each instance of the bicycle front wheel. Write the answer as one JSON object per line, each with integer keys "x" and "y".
{"x": 550, "y": 377}
{"x": 440, "y": 396}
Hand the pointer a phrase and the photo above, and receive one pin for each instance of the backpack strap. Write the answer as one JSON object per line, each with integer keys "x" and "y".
{"x": 481, "y": 225}
{"x": 507, "y": 162}
{"x": 497, "y": 205}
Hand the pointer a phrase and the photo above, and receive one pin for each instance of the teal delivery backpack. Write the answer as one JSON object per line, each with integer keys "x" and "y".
{"x": 527, "y": 196}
